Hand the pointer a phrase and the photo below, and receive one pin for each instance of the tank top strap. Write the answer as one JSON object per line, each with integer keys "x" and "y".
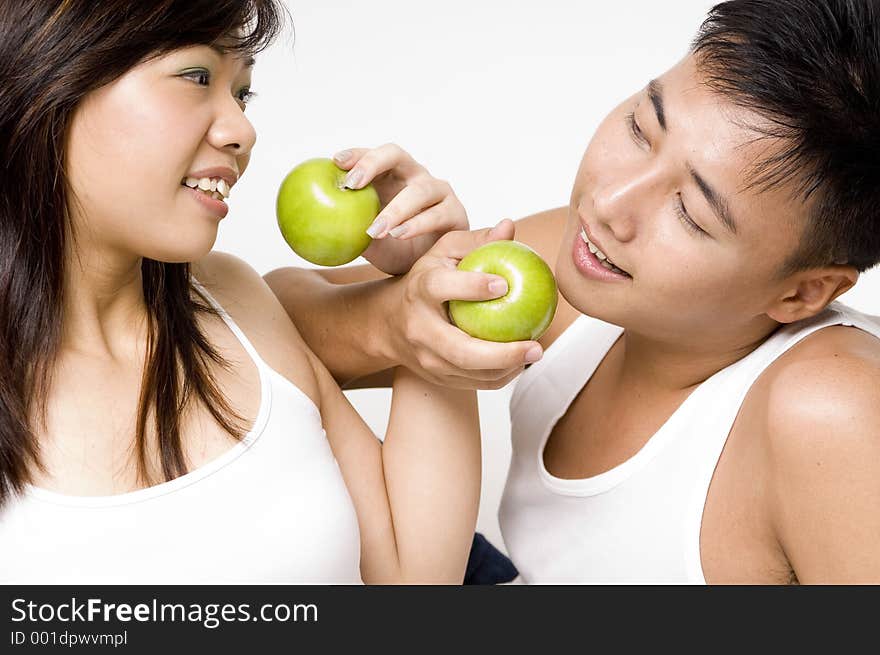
{"x": 722, "y": 398}
{"x": 716, "y": 402}
{"x": 545, "y": 389}
{"x": 261, "y": 365}
{"x": 571, "y": 359}
{"x": 790, "y": 335}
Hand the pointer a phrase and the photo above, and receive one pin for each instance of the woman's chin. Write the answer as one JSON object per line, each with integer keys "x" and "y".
{"x": 183, "y": 253}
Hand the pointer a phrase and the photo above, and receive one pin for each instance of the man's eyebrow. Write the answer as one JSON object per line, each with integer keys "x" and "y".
{"x": 717, "y": 201}
{"x": 655, "y": 93}
{"x": 249, "y": 61}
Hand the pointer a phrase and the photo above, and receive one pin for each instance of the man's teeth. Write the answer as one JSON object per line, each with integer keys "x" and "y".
{"x": 607, "y": 263}
{"x": 216, "y": 187}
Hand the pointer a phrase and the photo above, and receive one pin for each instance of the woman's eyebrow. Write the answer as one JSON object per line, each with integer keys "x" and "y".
{"x": 248, "y": 60}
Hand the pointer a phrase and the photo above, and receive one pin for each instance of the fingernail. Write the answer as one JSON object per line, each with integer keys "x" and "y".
{"x": 534, "y": 354}
{"x": 376, "y": 227}
{"x": 498, "y": 286}
{"x": 494, "y": 229}
{"x": 398, "y": 231}
{"x": 342, "y": 156}
{"x": 354, "y": 178}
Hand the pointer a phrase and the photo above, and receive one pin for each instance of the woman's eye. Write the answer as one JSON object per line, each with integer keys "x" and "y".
{"x": 202, "y": 78}
{"x": 246, "y": 95}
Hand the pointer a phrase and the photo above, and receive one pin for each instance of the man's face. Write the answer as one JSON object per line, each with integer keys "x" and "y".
{"x": 658, "y": 176}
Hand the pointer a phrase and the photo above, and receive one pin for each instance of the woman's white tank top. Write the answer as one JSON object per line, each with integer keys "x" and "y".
{"x": 638, "y": 522}
{"x": 272, "y": 509}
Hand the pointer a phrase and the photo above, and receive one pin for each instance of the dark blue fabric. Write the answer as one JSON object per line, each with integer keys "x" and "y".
{"x": 487, "y": 565}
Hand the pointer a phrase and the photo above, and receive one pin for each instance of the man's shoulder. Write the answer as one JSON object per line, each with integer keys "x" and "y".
{"x": 829, "y": 362}
{"x": 822, "y": 396}
{"x": 543, "y": 232}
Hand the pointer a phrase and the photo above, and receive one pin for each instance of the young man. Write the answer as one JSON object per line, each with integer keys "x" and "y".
{"x": 707, "y": 412}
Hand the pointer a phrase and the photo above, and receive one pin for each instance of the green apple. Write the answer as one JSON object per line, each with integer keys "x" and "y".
{"x": 321, "y": 220}
{"x": 527, "y": 309}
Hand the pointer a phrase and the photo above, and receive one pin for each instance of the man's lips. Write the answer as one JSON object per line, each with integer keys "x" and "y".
{"x": 611, "y": 260}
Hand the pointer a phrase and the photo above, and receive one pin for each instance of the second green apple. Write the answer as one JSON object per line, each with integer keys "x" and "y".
{"x": 527, "y": 309}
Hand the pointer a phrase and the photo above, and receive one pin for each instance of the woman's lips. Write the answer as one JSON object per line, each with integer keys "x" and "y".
{"x": 217, "y": 207}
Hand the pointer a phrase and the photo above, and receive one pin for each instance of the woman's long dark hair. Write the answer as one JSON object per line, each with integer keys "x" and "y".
{"x": 53, "y": 53}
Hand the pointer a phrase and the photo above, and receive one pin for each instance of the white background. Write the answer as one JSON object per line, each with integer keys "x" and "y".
{"x": 499, "y": 98}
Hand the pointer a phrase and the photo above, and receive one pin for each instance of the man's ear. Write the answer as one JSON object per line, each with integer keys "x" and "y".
{"x": 807, "y": 293}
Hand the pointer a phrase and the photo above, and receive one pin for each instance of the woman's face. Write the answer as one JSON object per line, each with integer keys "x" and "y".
{"x": 662, "y": 173}
{"x": 133, "y": 143}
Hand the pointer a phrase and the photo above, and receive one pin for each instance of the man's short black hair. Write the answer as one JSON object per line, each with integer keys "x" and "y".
{"x": 811, "y": 68}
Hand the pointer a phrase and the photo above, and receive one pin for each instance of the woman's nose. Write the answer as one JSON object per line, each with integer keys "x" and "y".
{"x": 232, "y": 130}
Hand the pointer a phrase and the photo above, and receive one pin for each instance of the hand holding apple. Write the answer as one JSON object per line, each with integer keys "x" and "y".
{"x": 527, "y": 309}
{"x": 323, "y": 221}
{"x": 416, "y": 332}
{"x": 417, "y": 209}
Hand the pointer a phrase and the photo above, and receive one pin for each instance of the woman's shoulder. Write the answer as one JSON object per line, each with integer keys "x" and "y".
{"x": 226, "y": 276}
{"x": 253, "y": 306}
{"x": 236, "y": 286}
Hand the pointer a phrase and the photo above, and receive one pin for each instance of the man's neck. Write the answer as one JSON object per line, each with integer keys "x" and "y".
{"x": 663, "y": 367}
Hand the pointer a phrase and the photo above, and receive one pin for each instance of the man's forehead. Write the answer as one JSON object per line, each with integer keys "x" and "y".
{"x": 715, "y": 130}
{"x": 724, "y": 141}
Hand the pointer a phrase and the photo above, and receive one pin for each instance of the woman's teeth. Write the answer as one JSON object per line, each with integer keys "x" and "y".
{"x": 607, "y": 263}
{"x": 216, "y": 187}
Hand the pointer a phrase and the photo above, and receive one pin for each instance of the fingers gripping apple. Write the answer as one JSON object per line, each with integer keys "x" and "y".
{"x": 527, "y": 309}
{"x": 321, "y": 220}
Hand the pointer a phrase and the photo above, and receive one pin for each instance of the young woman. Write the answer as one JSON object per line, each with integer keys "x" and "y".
{"x": 705, "y": 411}
{"x": 161, "y": 420}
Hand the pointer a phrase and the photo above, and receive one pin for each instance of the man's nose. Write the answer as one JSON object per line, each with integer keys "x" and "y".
{"x": 625, "y": 197}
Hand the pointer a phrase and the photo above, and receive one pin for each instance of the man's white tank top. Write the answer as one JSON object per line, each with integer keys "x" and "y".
{"x": 272, "y": 509}
{"x": 639, "y": 522}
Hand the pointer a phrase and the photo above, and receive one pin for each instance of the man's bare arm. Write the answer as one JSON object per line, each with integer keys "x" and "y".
{"x": 361, "y": 322}
{"x": 824, "y": 436}
{"x": 338, "y": 314}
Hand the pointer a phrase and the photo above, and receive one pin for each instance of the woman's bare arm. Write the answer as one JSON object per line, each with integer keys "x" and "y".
{"x": 416, "y": 496}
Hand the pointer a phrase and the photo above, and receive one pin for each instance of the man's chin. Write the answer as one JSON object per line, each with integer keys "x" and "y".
{"x": 588, "y": 298}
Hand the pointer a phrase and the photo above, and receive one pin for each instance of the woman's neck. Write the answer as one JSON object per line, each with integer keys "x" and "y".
{"x": 104, "y": 311}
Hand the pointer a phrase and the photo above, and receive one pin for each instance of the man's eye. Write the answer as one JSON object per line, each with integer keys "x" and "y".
{"x": 634, "y": 128}
{"x": 686, "y": 219}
